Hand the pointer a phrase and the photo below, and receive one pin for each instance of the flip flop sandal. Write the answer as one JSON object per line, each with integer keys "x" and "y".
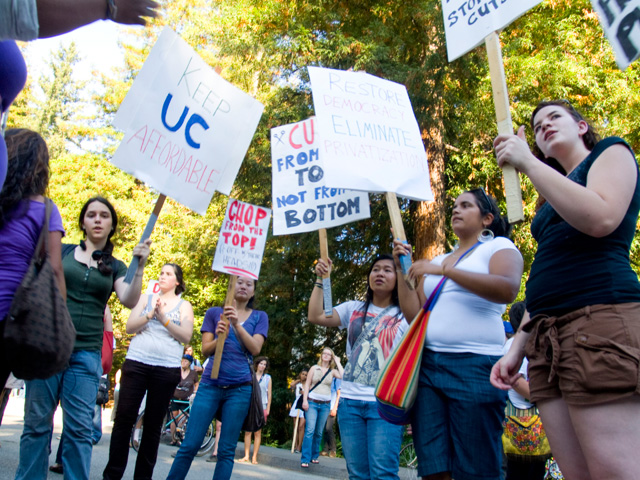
{"x": 315, "y": 462}
{"x": 304, "y": 465}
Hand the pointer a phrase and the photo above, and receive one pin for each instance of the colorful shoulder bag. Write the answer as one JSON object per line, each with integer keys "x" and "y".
{"x": 398, "y": 382}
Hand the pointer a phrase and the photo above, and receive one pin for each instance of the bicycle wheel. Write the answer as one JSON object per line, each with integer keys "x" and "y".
{"x": 208, "y": 440}
{"x": 136, "y": 432}
{"x": 180, "y": 427}
{"x": 408, "y": 457}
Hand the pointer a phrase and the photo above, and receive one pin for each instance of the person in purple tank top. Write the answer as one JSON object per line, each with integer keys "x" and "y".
{"x": 22, "y": 214}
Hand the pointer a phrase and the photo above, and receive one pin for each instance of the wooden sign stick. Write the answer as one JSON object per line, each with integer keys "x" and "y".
{"x": 231, "y": 293}
{"x": 398, "y": 233}
{"x": 295, "y": 432}
{"x": 148, "y": 230}
{"x": 512, "y": 188}
{"x": 326, "y": 280}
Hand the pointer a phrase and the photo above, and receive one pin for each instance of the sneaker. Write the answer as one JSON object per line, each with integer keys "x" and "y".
{"x": 56, "y": 468}
{"x": 324, "y": 454}
{"x": 332, "y": 454}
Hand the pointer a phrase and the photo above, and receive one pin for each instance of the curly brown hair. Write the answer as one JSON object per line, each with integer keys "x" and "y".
{"x": 27, "y": 171}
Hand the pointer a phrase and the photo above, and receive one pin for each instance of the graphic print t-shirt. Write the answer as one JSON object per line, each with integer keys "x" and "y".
{"x": 366, "y": 355}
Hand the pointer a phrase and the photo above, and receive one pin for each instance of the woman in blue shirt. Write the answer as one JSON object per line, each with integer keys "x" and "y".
{"x": 227, "y": 397}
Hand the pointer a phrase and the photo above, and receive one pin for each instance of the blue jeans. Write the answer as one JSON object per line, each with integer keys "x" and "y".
{"x": 75, "y": 388}
{"x": 232, "y": 404}
{"x": 315, "y": 417}
{"x": 96, "y": 431}
{"x": 371, "y": 445}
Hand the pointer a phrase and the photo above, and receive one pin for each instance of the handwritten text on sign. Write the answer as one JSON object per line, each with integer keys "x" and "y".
{"x": 468, "y": 22}
{"x": 370, "y": 139}
{"x": 301, "y": 200}
{"x": 242, "y": 239}
{"x": 186, "y": 128}
{"x": 620, "y": 21}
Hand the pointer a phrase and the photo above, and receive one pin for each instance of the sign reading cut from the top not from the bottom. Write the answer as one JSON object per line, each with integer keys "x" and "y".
{"x": 302, "y": 202}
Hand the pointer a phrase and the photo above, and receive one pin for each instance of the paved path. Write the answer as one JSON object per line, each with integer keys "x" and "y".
{"x": 274, "y": 463}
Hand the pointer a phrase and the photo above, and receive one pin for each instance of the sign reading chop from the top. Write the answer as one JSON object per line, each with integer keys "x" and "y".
{"x": 186, "y": 129}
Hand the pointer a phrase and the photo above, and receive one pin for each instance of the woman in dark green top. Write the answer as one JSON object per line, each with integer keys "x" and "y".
{"x": 91, "y": 275}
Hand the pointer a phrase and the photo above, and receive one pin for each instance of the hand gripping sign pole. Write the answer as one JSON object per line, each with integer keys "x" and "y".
{"x": 231, "y": 292}
{"x": 512, "y": 189}
{"x": 326, "y": 279}
{"x": 145, "y": 234}
{"x": 398, "y": 232}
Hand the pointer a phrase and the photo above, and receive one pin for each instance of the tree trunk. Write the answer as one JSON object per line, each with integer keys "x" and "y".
{"x": 429, "y": 218}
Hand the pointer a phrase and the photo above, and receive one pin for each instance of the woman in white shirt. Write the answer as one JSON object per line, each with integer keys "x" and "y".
{"x": 458, "y": 414}
{"x": 162, "y": 323}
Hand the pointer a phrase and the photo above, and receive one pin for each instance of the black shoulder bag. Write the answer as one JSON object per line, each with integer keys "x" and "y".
{"x": 39, "y": 334}
{"x": 301, "y": 398}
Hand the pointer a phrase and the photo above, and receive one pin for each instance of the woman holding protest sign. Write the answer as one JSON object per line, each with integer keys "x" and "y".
{"x": 91, "y": 274}
{"x": 581, "y": 333}
{"x": 457, "y": 415}
{"x": 228, "y": 396}
{"x": 162, "y": 323}
{"x": 371, "y": 445}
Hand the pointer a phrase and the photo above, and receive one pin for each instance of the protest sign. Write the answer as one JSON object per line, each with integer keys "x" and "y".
{"x": 370, "y": 139}
{"x": 468, "y": 22}
{"x": 242, "y": 239}
{"x": 153, "y": 287}
{"x": 621, "y": 24}
{"x": 186, "y": 129}
{"x": 301, "y": 200}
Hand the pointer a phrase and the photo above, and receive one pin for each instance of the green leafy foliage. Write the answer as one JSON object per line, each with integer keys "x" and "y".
{"x": 555, "y": 50}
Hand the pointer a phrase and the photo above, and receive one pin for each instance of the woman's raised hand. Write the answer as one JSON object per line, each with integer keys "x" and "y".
{"x": 142, "y": 251}
{"x": 400, "y": 248}
{"x": 323, "y": 268}
{"x": 514, "y": 150}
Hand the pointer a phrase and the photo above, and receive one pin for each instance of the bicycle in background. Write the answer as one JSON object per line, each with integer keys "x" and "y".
{"x": 180, "y": 422}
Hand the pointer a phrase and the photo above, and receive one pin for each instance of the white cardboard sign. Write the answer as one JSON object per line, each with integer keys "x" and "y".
{"x": 370, "y": 140}
{"x": 468, "y": 22}
{"x": 621, "y": 24}
{"x": 242, "y": 239}
{"x": 186, "y": 129}
{"x": 301, "y": 200}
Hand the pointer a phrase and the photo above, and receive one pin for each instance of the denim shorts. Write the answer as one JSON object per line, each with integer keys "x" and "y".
{"x": 458, "y": 415}
{"x": 588, "y": 357}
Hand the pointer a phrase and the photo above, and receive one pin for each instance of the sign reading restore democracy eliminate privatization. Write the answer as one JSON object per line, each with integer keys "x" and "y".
{"x": 468, "y": 22}
{"x": 301, "y": 200}
{"x": 369, "y": 137}
{"x": 186, "y": 129}
{"x": 243, "y": 236}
